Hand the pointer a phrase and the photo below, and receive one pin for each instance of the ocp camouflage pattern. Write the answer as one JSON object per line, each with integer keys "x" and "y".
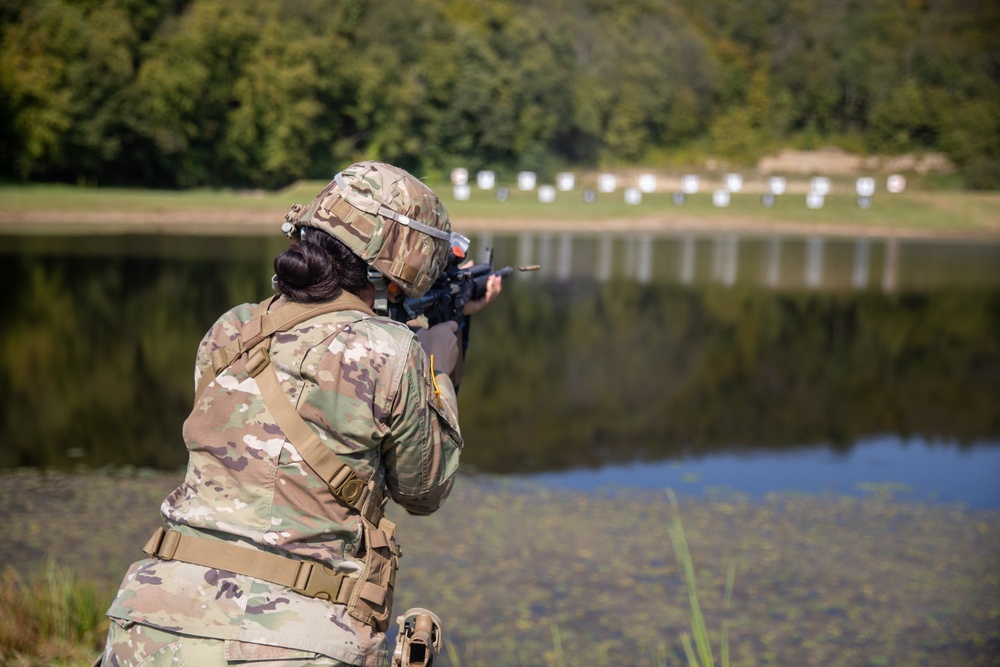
{"x": 133, "y": 645}
{"x": 363, "y": 383}
{"x": 412, "y": 259}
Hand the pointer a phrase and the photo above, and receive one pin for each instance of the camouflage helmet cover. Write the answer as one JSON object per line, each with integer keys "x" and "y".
{"x": 388, "y": 218}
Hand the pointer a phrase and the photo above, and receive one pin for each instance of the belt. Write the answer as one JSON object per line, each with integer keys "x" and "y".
{"x": 305, "y": 577}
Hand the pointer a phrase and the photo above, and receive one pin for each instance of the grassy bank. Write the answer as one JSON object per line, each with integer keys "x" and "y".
{"x": 51, "y": 618}
{"x": 60, "y": 209}
{"x": 523, "y": 576}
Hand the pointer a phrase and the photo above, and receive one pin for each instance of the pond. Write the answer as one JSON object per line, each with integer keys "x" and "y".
{"x": 710, "y": 364}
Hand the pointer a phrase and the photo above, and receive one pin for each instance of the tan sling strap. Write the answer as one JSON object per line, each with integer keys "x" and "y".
{"x": 370, "y": 598}
{"x": 264, "y": 323}
{"x": 303, "y": 576}
{"x": 339, "y": 476}
{"x": 255, "y": 341}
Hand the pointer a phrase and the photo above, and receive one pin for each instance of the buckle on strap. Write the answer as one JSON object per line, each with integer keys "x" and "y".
{"x": 348, "y": 487}
{"x": 257, "y": 360}
{"x": 316, "y": 580}
{"x": 357, "y": 494}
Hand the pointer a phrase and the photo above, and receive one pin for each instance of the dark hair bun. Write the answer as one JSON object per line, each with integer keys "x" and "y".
{"x": 315, "y": 268}
{"x": 305, "y": 272}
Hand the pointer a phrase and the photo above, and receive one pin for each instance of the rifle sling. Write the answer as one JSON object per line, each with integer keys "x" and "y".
{"x": 368, "y": 598}
{"x": 264, "y": 323}
{"x": 339, "y": 476}
{"x": 306, "y": 577}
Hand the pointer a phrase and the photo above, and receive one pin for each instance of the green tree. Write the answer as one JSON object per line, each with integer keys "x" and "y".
{"x": 902, "y": 121}
{"x": 63, "y": 71}
{"x": 277, "y": 121}
{"x": 261, "y": 92}
{"x": 185, "y": 90}
{"x": 33, "y": 77}
{"x": 627, "y": 136}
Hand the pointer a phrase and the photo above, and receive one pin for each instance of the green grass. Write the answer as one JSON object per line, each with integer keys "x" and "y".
{"x": 700, "y": 654}
{"x": 53, "y": 619}
{"x": 942, "y": 210}
{"x": 69, "y": 198}
{"x": 924, "y": 210}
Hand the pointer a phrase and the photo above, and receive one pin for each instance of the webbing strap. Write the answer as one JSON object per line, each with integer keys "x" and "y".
{"x": 339, "y": 476}
{"x": 255, "y": 338}
{"x": 308, "y": 578}
{"x": 264, "y": 324}
{"x": 344, "y": 483}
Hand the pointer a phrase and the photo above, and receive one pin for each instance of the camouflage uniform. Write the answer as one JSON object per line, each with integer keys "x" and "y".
{"x": 363, "y": 383}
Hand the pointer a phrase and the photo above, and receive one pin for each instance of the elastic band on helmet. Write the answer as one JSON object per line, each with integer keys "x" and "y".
{"x": 386, "y": 212}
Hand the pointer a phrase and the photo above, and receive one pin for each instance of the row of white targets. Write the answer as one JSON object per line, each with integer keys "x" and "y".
{"x": 819, "y": 188}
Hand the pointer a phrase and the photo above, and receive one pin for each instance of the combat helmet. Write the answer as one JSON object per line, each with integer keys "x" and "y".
{"x": 388, "y": 218}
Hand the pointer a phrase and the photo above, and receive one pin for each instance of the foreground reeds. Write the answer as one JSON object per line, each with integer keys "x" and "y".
{"x": 51, "y": 619}
{"x": 699, "y": 655}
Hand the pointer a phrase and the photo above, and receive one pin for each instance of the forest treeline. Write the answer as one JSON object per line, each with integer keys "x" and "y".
{"x": 181, "y": 93}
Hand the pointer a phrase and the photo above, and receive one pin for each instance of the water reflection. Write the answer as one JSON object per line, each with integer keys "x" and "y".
{"x": 813, "y": 263}
{"x": 862, "y": 258}
{"x": 623, "y": 348}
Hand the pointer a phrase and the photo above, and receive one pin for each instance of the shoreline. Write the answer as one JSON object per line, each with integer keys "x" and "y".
{"x": 243, "y": 222}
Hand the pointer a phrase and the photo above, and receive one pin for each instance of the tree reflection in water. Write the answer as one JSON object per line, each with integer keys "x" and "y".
{"x": 622, "y": 349}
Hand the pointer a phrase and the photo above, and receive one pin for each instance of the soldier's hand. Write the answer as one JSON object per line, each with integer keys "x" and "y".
{"x": 493, "y": 286}
{"x": 441, "y": 342}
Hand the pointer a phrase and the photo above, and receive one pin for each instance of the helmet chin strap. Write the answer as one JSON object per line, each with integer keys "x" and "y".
{"x": 377, "y": 280}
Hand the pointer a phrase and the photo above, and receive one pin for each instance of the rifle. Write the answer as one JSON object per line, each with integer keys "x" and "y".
{"x": 454, "y": 288}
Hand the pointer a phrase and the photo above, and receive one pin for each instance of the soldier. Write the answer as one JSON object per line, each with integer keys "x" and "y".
{"x": 310, "y": 411}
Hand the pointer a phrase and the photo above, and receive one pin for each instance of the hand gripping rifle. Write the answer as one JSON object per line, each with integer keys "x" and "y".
{"x": 454, "y": 288}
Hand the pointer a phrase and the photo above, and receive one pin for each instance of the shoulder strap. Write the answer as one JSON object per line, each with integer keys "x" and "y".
{"x": 339, "y": 476}
{"x": 370, "y": 600}
{"x": 264, "y": 323}
{"x": 255, "y": 341}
